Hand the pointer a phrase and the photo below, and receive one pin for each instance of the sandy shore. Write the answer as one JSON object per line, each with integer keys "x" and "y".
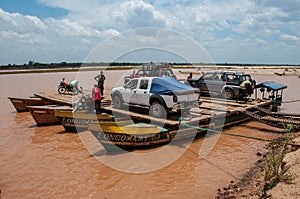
{"x": 284, "y": 190}
{"x": 261, "y": 70}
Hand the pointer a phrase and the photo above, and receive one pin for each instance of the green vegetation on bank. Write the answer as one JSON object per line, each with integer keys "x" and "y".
{"x": 276, "y": 169}
{"x": 37, "y": 65}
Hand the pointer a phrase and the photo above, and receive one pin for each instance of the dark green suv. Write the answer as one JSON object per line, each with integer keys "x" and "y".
{"x": 228, "y": 84}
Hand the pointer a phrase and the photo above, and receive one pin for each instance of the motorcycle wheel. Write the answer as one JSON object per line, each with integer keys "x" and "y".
{"x": 61, "y": 90}
{"x": 74, "y": 91}
{"x": 76, "y": 106}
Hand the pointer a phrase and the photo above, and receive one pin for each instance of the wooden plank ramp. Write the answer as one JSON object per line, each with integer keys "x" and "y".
{"x": 66, "y": 99}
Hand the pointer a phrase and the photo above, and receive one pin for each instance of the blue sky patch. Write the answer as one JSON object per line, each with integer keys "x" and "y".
{"x": 32, "y": 7}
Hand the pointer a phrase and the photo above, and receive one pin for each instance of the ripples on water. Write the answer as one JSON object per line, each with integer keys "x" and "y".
{"x": 43, "y": 162}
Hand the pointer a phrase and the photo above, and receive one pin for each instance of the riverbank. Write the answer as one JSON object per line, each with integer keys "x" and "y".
{"x": 253, "y": 70}
{"x": 253, "y": 184}
{"x": 196, "y": 69}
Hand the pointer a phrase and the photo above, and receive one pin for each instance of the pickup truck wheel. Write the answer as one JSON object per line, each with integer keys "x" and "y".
{"x": 118, "y": 102}
{"x": 228, "y": 94}
{"x": 157, "y": 110}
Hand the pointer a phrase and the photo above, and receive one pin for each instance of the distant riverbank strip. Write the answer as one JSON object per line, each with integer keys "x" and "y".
{"x": 199, "y": 67}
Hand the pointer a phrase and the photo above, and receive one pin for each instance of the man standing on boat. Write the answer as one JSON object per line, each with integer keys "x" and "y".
{"x": 245, "y": 89}
{"x": 100, "y": 80}
{"x": 96, "y": 93}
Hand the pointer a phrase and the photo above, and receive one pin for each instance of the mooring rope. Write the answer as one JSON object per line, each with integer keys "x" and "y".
{"x": 229, "y": 134}
{"x": 222, "y": 132}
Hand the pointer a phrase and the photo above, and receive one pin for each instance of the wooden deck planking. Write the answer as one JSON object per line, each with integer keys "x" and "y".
{"x": 66, "y": 99}
{"x": 56, "y": 97}
{"x": 211, "y": 107}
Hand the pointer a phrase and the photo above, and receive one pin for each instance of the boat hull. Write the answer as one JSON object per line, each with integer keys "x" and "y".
{"x": 79, "y": 121}
{"x": 115, "y": 138}
{"x": 21, "y": 104}
{"x": 44, "y": 115}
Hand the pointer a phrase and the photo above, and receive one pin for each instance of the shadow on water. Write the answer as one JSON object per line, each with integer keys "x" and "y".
{"x": 33, "y": 126}
{"x": 99, "y": 153}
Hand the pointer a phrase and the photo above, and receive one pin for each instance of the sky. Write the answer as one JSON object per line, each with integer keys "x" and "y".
{"x": 229, "y": 31}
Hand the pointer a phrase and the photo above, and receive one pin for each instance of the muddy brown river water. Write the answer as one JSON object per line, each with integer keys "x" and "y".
{"x": 47, "y": 162}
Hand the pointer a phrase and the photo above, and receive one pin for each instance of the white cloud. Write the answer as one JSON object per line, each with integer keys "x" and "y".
{"x": 20, "y": 23}
{"x": 119, "y": 14}
{"x": 227, "y": 39}
{"x": 289, "y": 37}
{"x": 66, "y": 27}
{"x": 138, "y": 14}
{"x": 25, "y": 38}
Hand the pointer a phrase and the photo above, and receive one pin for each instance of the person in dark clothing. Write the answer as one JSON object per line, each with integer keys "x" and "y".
{"x": 96, "y": 93}
{"x": 100, "y": 80}
{"x": 189, "y": 79}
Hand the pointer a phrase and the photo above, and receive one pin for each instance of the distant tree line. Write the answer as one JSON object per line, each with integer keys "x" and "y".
{"x": 37, "y": 65}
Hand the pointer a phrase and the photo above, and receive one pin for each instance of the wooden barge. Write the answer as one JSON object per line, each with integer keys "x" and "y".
{"x": 212, "y": 112}
{"x": 132, "y": 128}
{"x": 119, "y": 129}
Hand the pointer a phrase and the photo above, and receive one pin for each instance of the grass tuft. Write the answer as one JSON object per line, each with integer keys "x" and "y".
{"x": 276, "y": 169}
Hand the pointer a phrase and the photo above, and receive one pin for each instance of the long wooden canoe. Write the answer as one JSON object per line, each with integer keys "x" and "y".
{"x": 21, "y": 103}
{"x": 114, "y": 137}
{"x": 79, "y": 120}
{"x": 44, "y": 115}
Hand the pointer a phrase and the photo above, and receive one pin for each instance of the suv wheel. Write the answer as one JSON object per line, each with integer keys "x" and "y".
{"x": 157, "y": 110}
{"x": 228, "y": 94}
{"x": 118, "y": 102}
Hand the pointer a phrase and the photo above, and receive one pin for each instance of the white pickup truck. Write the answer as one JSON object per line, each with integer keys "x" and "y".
{"x": 160, "y": 94}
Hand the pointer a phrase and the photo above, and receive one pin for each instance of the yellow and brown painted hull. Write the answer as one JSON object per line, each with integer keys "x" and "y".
{"x": 79, "y": 121}
{"x": 118, "y": 137}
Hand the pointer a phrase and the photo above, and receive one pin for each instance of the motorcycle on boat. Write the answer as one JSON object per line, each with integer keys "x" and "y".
{"x": 84, "y": 103}
{"x": 68, "y": 87}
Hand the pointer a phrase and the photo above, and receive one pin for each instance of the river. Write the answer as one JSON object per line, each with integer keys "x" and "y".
{"x": 47, "y": 162}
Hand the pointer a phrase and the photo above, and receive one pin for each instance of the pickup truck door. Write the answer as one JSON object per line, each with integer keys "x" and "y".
{"x": 130, "y": 91}
{"x": 142, "y": 93}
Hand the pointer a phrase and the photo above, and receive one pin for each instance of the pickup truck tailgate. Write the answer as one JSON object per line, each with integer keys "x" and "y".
{"x": 188, "y": 97}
